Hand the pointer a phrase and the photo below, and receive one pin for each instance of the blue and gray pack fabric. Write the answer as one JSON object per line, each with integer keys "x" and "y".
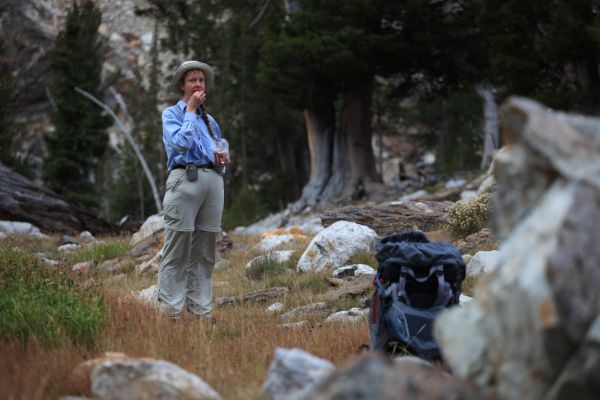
{"x": 416, "y": 280}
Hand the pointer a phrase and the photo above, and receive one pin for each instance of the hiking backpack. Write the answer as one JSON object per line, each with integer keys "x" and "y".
{"x": 416, "y": 280}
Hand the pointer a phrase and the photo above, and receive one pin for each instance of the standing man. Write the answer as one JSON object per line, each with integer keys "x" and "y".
{"x": 193, "y": 202}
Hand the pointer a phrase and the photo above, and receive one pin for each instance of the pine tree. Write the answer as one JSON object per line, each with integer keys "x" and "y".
{"x": 79, "y": 138}
{"x": 6, "y": 134}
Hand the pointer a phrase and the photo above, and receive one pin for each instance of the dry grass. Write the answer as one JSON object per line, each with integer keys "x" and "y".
{"x": 232, "y": 356}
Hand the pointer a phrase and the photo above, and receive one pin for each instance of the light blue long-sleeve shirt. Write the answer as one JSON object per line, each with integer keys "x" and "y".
{"x": 186, "y": 136}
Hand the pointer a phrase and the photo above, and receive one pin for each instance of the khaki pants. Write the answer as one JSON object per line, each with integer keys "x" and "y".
{"x": 192, "y": 214}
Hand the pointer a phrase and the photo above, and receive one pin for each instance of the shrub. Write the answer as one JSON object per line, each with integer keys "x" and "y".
{"x": 41, "y": 304}
{"x": 264, "y": 267}
{"x": 466, "y": 217}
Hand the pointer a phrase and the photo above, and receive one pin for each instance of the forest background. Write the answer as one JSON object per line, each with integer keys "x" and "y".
{"x": 303, "y": 87}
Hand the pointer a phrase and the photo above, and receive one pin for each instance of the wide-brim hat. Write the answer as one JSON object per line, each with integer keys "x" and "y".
{"x": 209, "y": 74}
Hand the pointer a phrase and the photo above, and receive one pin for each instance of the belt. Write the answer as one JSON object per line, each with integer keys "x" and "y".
{"x": 208, "y": 165}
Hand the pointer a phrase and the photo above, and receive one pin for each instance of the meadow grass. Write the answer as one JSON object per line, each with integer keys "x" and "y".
{"x": 232, "y": 356}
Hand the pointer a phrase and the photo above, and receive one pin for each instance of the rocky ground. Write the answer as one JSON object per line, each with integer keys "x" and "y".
{"x": 291, "y": 294}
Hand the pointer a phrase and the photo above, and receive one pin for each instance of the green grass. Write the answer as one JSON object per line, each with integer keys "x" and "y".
{"x": 365, "y": 258}
{"x": 264, "y": 267}
{"x": 100, "y": 252}
{"x": 40, "y": 303}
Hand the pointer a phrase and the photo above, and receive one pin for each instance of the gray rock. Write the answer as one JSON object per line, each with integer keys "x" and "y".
{"x": 581, "y": 378}
{"x": 374, "y": 377}
{"x": 274, "y": 308}
{"x": 69, "y": 247}
{"x": 85, "y": 267}
{"x": 279, "y": 256}
{"x": 293, "y": 370}
{"x": 352, "y": 316}
{"x": 483, "y": 262}
{"x": 116, "y": 264}
{"x": 294, "y": 325}
{"x": 526, "y": 334}
{"x": 335, "y": 245}
{"x": 21, "y": 228}
{"x": 153, "y": 224}
{"x": 50, "y": 262}
{"x": 147, "y": 379}
{"x": 149, "y": 295}
{"x": 353, "y": 270}
{"x": 150, "y": 266}
{"x": 314, "y": 310}
{"x": 273, "y": 242}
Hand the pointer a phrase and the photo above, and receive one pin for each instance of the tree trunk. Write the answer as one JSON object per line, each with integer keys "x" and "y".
{"x": 491, "y": 141}
{"x": 319, "y": 117}
{"x": 356, "y": 125}
{"x": 332, "y": 194}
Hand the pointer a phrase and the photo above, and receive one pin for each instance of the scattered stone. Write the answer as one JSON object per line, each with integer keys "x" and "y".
{"x": 419, "y": 194}
{"x": 275, "y": 308}
{"x": 336, "y": 244}
{"x": 455, "y": 183}
{"x": 467, "y": 195}
{"x": 116, "y": 264}
{"x": 21, "y": 228}
{"x": 353, "y": 270}
{"x": 85, "y": 267}
{"x": 256, "y": 297}
{"x": 263, "y": 296}
{"x": 148, "y": 295}
{"x": 273, "y": 242}
{"x": 292, "y": 371}
{"x": 149, "y": 245}
{"x": 314, "y": 310}
{"x": 483, "y": 262}
{"x": 372, "y": 376}
{"x": 69, "y": 247}
{"x": 294, "y": 325}
{"x": 153, "y": 224}
{"x": 482, "y": 240}
{"x": 354, "y": 288}
{"x": 69, "y": 239}
{"x": 280, "y": 256}
{"x": 150, "y": 266}
{"x": 50, "y": 262}
{"x": 226, "y": 301}
{"x": 224, "y": 242}
{"x": 353, "y": 315}
{"x": 86, "y": 236}
{"x": 145, "y": 378}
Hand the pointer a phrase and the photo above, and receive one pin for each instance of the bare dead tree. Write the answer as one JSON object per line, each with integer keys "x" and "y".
{"x": 127, "y": 132}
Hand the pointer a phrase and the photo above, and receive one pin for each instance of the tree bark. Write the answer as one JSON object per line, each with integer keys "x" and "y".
{"x": 319, "y": 116}
{"x": 491, "y": 141}
{"x": 356, "y": 125}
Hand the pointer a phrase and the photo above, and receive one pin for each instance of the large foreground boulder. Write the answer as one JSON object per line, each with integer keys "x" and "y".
{"x": 374, "y": 377}
{"x": 532, "y": 330}
{"x": 293, "y": 371}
